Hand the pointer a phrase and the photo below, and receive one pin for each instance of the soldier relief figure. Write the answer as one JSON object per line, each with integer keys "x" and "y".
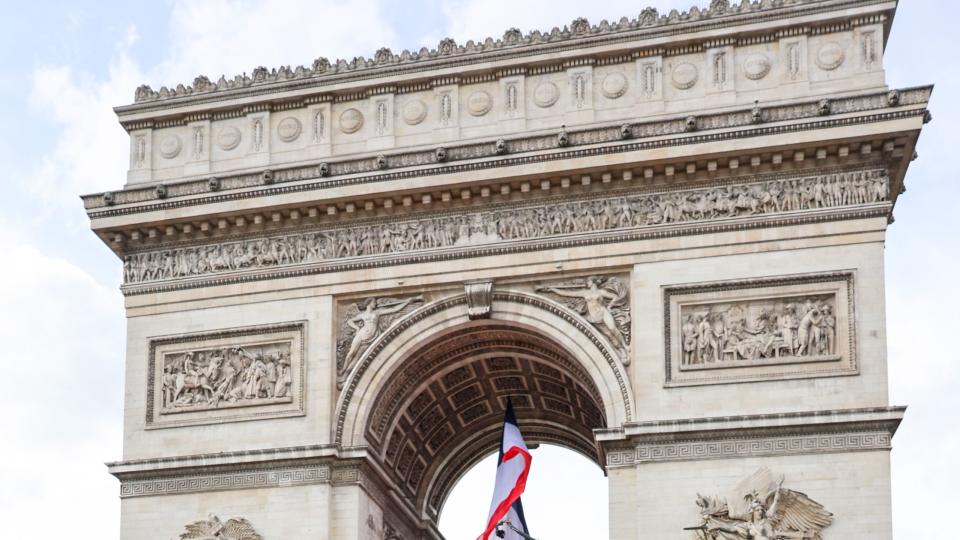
{"x": 723, "y": 334}
{"x": 226, "y": 377}
{"x": 572, "y": 217}
{"x": 765, "y": 510}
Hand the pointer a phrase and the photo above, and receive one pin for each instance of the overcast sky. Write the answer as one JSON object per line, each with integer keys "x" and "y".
{"x": 67, "y": 63}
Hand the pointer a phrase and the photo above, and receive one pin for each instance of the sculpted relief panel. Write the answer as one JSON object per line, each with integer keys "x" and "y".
{"x": 752, "y": 332}
{"x": 603, "y": 301}
{"x": 228, "y": 375}
{"x": 760, "y": 508}
{"x": 796, "y": 326}
{"x": 362, "y": 322}
{"x": 214, "y": 528}
{"x": 513, "y": 223}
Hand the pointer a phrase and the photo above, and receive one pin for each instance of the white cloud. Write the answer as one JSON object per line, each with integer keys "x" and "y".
{"x": 60, "y": 394}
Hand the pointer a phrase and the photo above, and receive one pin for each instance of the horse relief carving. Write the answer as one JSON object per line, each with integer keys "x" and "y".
{"x": 226, "y": 377}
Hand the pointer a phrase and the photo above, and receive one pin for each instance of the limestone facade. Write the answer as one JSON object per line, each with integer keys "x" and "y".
{"x": 662, "y": 237}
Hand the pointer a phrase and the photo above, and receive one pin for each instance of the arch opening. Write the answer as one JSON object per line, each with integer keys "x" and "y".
{"x": 440, "y": 411}
{"x": 561, "y": 483}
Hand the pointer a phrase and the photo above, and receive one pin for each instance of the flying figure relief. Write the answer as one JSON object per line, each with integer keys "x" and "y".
{"x": 604, "y": 302}
{"x": 765, "y": 510}
{"x": 362, "y": 324}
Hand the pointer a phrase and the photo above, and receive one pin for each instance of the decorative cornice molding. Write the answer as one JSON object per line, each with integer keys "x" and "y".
{"x": 759, "y": 446}
{"x": 513, "y": 44}
{"x": 280, "y": 477}
{"x": 484, "y": 155}
{"x": 849, "y": 430}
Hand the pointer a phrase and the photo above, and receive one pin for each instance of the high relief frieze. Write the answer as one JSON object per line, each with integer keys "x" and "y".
{"x": 625, "y": 212}
{"x": 603, "y": 301}
{"x": 760, "y": 508}
{"x": 794, "y": 326}
{"x": 225, "y": 375}
{"x": 362, "y": 322}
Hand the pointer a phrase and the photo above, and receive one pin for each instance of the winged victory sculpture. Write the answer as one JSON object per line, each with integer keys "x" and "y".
{"x": 214, "y": 529}
{"x": 765, "y": 510}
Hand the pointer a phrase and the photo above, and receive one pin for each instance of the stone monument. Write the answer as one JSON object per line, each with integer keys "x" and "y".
{"x": 661, "y": 236}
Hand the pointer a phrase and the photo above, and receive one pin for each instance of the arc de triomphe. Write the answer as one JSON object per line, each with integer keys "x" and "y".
{"x": 661, "y": 236}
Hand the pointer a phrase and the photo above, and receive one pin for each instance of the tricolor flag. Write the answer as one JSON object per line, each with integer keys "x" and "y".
{"x": 513, "y": 465}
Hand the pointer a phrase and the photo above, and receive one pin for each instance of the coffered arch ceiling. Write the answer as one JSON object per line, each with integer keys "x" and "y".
{"x": 441, "y": 411}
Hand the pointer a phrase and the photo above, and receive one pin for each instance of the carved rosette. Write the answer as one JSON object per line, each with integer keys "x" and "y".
{"x": 603, "y": 301}
{"x": 361, "y": 322}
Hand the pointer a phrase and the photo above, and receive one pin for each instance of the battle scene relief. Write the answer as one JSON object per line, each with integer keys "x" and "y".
{"x": 226, "y": 375}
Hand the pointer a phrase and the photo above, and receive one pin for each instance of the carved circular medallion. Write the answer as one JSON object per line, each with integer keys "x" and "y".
{"x": 289, "y": 129}
{"x": 228, "y": 138}
{"x": 830, "y": 56}
{"x": 614, "y": 85}
{"x": 414, "y": 112}
{"x": 756, "y": 66}
{"x": 546, "y": 94}
{"x": 170, "y": 146}
{"x": 479, "y": 103}
{"x": 684, "y": 76}
{"x": 351, "y": 120}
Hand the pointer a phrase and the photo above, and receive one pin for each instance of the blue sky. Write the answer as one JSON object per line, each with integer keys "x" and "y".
{"x": 67, "y": 63}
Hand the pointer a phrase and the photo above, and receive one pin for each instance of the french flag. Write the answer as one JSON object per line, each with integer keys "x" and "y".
{"x": 513, "y": 465}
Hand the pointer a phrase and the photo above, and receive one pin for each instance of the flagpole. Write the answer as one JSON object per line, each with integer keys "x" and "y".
{"x": 501, "y": 533}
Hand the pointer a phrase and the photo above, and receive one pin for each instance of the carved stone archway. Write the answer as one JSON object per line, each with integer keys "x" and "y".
{"x": 427, "y": 397}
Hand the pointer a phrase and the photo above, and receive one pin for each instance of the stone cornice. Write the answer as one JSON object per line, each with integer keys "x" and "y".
{"x": 240, "y": 458}
{"x": 787, "y": 118}
{"x": 845, "y": 430}
{"x": 579, "y": 35}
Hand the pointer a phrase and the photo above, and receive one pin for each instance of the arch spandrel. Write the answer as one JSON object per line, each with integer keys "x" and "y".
{"x": 554, "y": 321}
{"x": 427, "y": 398}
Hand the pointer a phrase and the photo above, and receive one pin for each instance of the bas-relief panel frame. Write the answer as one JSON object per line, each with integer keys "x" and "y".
{"x": 294, "y": 332}
{"x": 839, "y": 283}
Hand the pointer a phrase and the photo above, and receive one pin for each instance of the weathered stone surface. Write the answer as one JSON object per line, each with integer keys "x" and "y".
{"x": 661, "y": 237}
